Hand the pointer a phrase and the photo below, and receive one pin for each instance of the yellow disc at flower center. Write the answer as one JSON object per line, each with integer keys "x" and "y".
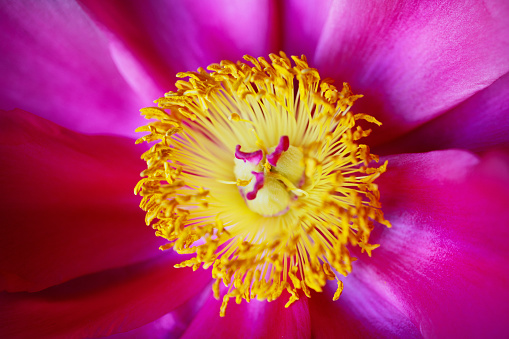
{"x": 298, "y": 195}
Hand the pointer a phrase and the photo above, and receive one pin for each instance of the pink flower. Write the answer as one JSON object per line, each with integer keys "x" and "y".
{"x": 76, "y": 260}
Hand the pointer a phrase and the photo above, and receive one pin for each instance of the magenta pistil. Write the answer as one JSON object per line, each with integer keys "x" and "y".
{"x": 284, "y": 144}
{"x": 259, "y": 182}
{"x": 253, "y": 157}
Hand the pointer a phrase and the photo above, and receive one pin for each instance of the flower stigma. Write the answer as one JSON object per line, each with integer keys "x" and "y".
{"x": 257, "y": 171}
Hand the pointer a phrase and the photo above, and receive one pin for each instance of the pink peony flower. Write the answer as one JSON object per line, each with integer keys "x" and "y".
{"x": 76, "y": 259}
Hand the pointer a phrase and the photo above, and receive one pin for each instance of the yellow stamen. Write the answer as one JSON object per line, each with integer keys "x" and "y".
{"x": 289, "y": 184}
{"x": 338, "y": 291}
{"x": 264, "y": 185}
{"x": 239, "y": 182}
{"x": 236, "y": 117}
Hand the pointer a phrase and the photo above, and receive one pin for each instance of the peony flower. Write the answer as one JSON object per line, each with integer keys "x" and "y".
{"x": 76, "y": 258}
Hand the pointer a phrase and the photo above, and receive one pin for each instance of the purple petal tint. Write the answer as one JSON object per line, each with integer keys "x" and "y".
{"x": 360, "y": 312}
{"x": 55, "y": 61}
{"x": 479, "y": 123}
{"x": 303, "y": 22}
{"x": 411, "y": 60}
{"x": 171, "y": 37}
{"x": 259, "y": 182}
{"x": 284, "y": 143}
{"x": 170, "y": 325}
{"x": 252, "y": 157}
{"x": 257, "y": 319}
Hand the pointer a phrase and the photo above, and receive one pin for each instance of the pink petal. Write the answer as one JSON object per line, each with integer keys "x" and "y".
{"x": 67, "y": 205}
{"x": 170, "y": 325}
{"x": 479, "y": 123}
{"x": 55, "y": 62}
{"x": 360, "y": 312}
{"x": 444, "y": 263}
{"x": 303, "y": 22}
{"x": 172, "y": 37}
{"x": 412, "y": 60}
{"x": 102, "y": 304}
{"x": 257, "y": 319}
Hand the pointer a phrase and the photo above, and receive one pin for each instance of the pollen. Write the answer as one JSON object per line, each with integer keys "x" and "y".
{"x": 255, "y": 168}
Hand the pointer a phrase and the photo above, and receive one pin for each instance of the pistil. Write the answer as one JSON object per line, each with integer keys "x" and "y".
{"x": 270, "y": 192}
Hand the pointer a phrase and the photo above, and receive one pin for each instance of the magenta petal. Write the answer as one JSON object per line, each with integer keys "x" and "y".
{"x": 102, "y": 304}
{"x": 67, "y": 204}
{"x": 444, "y": 263}
{"x": 55, "y": 62}
{"x": 170, "y": 325}
{"x": 177, "y": 36}
{"x": 256, "y": 319}
{"x": 303, "y": 22}
{"x": 411, "y": 60}
{"x": 479, "y": 123}
{"x": 360, "y": 312}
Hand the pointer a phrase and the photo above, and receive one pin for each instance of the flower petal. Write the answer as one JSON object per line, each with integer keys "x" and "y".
{"x": 172, "y": 37}
{"x": 444, "y": 263}
{"x": 55, "y": 62}
{"x": 477, "y": 124}
{"x": 256, "y": 319}
{"x": 413, "y": 61}
{"x": 170, "y": 325}
{"x": 360, "y": 312}
{"x": 101, "y": 304}
{"x": 67, "y": 203}
{"x": 303, "y": 22}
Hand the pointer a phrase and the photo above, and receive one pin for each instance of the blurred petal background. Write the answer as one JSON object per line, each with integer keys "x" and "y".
{"x": 76, "y": 259}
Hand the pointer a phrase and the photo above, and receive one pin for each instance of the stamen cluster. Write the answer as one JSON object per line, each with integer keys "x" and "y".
{"x": 257, "y": 171}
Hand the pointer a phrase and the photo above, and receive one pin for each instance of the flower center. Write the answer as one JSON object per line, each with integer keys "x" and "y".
{"x": 257, "y": 171}
{"x": 271, "y": 178}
